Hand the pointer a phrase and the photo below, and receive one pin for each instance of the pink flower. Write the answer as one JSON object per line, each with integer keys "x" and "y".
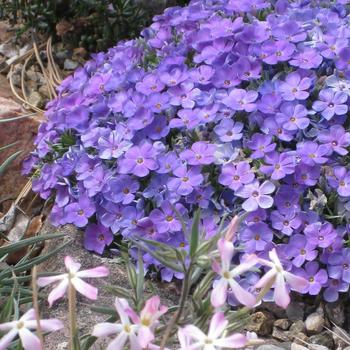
{"x": 73, "y": 276}
{"x": 23, "y": 328}
{"x": 219, "y": 293}
{"x": 148, "y": 319}
{"x": 279, "y": 277}
{"x": 126, "y": 331}
{"x": 192, "y": 338}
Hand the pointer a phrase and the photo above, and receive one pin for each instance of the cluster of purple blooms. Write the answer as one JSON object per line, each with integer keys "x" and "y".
{"x": 223, "y": 105}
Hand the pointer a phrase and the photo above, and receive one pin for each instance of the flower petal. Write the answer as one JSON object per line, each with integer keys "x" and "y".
{"x": 219, "y": 294}
{"x": 106, "y": 329}
{"x": 145, "y": 336}
{"x": 193, "y": 332}
{"x": 100, "y": 271}
{"x": 226, "y": 250}
{"x": 241, "y": 294}
{"x": 58, "y": 292}
{"x": 235, "y": 341}
{"x": 297, "y": 283}
{"x": 281, "y": 294}
{"x": 71, "y": 265}
{"x": 6, "y": 340}
{"x": 44, "y": 281}
{"x": 29, "y": 340}
{"x": 84, "y": 288}
{"x": 118, "y": 343}
{"x": 51, "y": 325}
{"x": 217, "y": 325}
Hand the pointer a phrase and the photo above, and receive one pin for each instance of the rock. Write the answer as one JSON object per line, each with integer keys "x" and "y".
{"x": 282, "y": 324}
{"x": 280, "y": 335}
{"x": 335, "y": 312}
{"x": 79, "y": 55}
{"x": 324, "y": 338}
{"x": 261, "y": 323}
{"x": 36, "y": 99}
{"x": 297, "y": 327}
{"x": 340, "y": 337}
{"x": 6, "y": 31}
{"x": 70, "y": 65}
{"x": 296, "y": 346}
{"x": 314, "y": 323}
{"x": 269, "y": 347}
{"x": 295, "y": 311}
{"x": 318, "y": 347}
{"x": 277, "y": 311}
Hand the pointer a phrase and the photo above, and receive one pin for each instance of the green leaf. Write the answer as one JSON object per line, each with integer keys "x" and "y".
{"x": 140, "y": 279}
{"x": 118, "y": 291}
{"x": 8, "y": 161}
{"x": 8, "y": 146}
{"x": 195, "y": 233}
{"x": 6, "y": 120}
{"x": 7, "y": 309}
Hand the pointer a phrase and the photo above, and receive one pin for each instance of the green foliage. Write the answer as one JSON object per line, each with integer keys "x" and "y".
{"x": 96, "y": 25}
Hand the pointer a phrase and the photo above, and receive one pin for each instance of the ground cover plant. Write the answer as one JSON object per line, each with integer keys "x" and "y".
{"x": 226, "y": 106}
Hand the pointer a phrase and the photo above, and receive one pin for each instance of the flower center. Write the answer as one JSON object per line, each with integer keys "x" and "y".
{"x": 81, "y": 212}
{"x": 139, "y": 160}
{"x": 127, "y": 328}
{"x": 20, "y": 324}
{"x": 158, "y": 105}
{"x": 257, "y": 237}
{"x": 286, "y": 223}
{"x": 182, "y": 244}
{"x": 126, "y": 191}
{"x": 294, "y": 90}
{"x": 198, "y": 156}
{"x": 342, "y": 183}
{"x": 320, "y": 238}
{"x": 334, "y": 143}
{"x": 236, "y": 177}
{"x": 293, "y": 119}
{"x": 101, "y": 237}
{"x": 169, "y": 218}
{"x": 208, "y": 341}
{"x": 146, "y": 322}
{"x": 226, "y": 275}
{"x": 331, "y": 105}
{"x": 185, "y": 179}
{"x": 227, "y": 82}
{"x": 255, "y": 194}
{"x": 346, "y": 266}
{"x": 302, "y": 252}
{"x": 277, "y": 166}
{"x": 311, "y": 279}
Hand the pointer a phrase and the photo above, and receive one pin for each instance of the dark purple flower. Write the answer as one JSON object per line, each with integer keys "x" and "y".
{"x": 78, "y": 213}
{"x": 320, "y": 234}
{"x": 301, "y": 250}
{"x": 255, "y": 237}
{"x": 97, "y": 237}
{"x": 286, "y": 223}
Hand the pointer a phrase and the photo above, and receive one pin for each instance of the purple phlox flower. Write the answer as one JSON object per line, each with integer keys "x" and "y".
{"x": 225, "y": 153}
{"x": 149, "y": 85}
{"x": 158, "y": 128}
{"x": 111, "y": 216}
{"x": 255, "y": 237}
{"x": 208, "y": 113}
{"x": 312, "y": 153}
{"x": 185, "y": 180}
{"x": 158, "y": 191}
{"x": 307, "y": 59}
{"x": 225, "y": 77}
{"x": 272, "y": 52}
{"x": 165, "y": 219}
{"x": 336, "y": 138}
{"x": 289, "y": 30}
{"x": 343, "y": 59}
{"x": 339, "y": 178}
{"x": 97, "y": 237}
{"x": 307, "y": 175}
{"x": 256, "y": 216}
{"x": 331, "y": 46}
{"x": 235, "y": 176}
{"x": 228, "y": 130}
{"x": 78, "y": 213}
{"x": 286, "y": 200}
{"x": 203, "y": 74}
{"x": 158, "y": 102}
{"x": 90, "y": 137}
{"x": 333, "y": 288}
{"x": 97, "y": 181}
{"x": 280, "y": 278}
{"x": 214, "y": 50}
{"x": 147, "y": 229}
{"x": 317, "y": 277}
{"x": 257, "y": 195}
{"x": 241, "y": 100}
{"x": 331, "y": 103}
{"x": 320, "y": 234}
{"x": 95, "y": 85}
{"x": 188, "y": 118}
{"x": 116, "y": 101}
{"x": 168, "y": 163}
{"x": 122, "y": 189}
{"x": 260, "y": 144}
{"x": 339, "y": 265}
{"x": 200, "y": 153}
{"x": 273, "y": 128}
{"x": 139, "y": 160}
{"x": 201, "y": 197}
{"x": 184, "y": 95}
{"x": 285, "y": 223}
{"x": 337, "y": 84}
{"x": 85, "y": 166}
{"x": 278, "y": 165}
{"x": 293, "y": 116}
{"x": 295, "y": 87}
{"x": 228, "y": 276}
{"x": 301, "y": 250}
{"x": 174, "y": 77}
{"x": 269, "y": 103}
{"x": 247, "y": 69}
{"x": 131, "y": 219}
{"x": 142, "y": 118}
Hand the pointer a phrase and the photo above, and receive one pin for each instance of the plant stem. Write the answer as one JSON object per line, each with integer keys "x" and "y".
{"x": 177, "y": 315}
{"x": 36, "y": 306}
{"x": 72, "y": 315}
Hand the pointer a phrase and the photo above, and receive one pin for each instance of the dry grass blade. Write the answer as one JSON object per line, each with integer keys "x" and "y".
{"x": 23, "y": 71}
{"x": 52, "y": 67}
{"x": 18, "y": 96}
{"x": 345, "y": 339}
{"x": 25, "y": 190}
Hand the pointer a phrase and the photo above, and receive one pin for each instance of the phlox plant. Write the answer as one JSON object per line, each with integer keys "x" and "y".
{"x": 222, "y": 105}
{"x": 202, "y": 319}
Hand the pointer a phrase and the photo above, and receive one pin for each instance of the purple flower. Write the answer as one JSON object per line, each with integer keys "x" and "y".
{"x": 317, "y": 277}
{"x": 306, "y": 59}
{"x": 165, "y": 219}
{"x": 255, "y": 237}
{"x": 339, "y": 178}
{"x": 235, "y": 176}
{"x": 293, "y": 116}
{"x": 139, "y": 160}
{"x": 339, "y": 265}
{"x": 260, "y": 144}
{"x": 78, "y": 213}
{"x": 295, "y": 87}
{"x": 185, "y": 180}
{"x": 187, "y": 118}
{"x": 301, "y": 250}
{"x": 200, "y": 153}
{"x": 184, "y": 95}
{"x": 285, "y": 222}
{"x": 336, "y": 138}
{"x": 241, "y": 100}
{"x": 149, "y": 85}
{"x": 334, "y": 286}
{"x": 320, "y": 234}
{"x": 228, "y": 130}
{"x": 158, "y": 128}
{"x": 122, "y": 189}
{"x": 201, "y": 197}
{"x": 97, "y": 237}
{"x": 273, "y": 52}
{"x": 257, "y": 195}
{"x": 331, "y": 103}
{"x": 311, "y": 153}
{"x": 168, "y": 163}
{"x": 279, "y": 165}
